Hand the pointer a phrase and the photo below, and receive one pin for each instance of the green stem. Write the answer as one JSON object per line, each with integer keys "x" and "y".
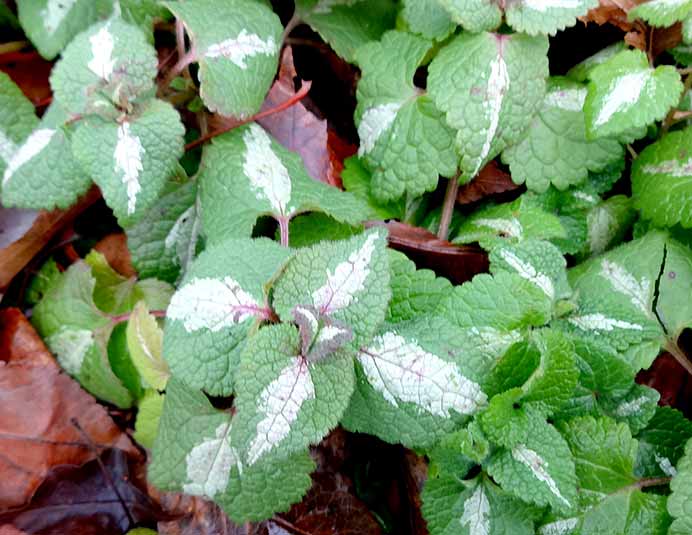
{"x": 121, "y": 318}
{"x": 448, "y": 206}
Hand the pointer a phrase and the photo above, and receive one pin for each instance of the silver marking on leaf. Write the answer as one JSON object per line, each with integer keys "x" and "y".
{"x": 71, "y": 346}
{"x": 279, "y": 404}
{"x": 509, "y": 227}
{"x": 623, "y": 93}
{"x": 529, "y": 272}
{"x": 571, "y": 99}
{"x": 402, "y": 371}
{"x": 539, "y": 469}
{"x": 128, "y": 163}
{"x": 347, "y": 279}
{"x": 477, "y": 513}
{"x": 665, "y": 465}
{"x": 54, "y": 13}
{"x": 213, "y": 304}
{"x": 626, "y": 283}
{"x": 34, "y": 144}
{"x": 375, "y": 122}
{"x": 245, "y": 45}
{"x": 563, "y": 526}
{"x": 269, "y": 178}
{"x": 102, "y": 62}
{"x": 672, "y": 168}
{"x": 209, "y": 464}
{"x": 545, "y": 5}
{"x": 631, "y": 407}
{"x": 7, "y": 147}
{"x": 599, "y": 322}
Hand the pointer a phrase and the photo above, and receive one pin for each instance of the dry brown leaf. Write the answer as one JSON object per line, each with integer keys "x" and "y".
{"x": 458, "y": 263}
{"x": 114, "y": 248}
{"x": 38, "y": 405}
{"x": 16, "y": 255}
{"x": 490, "y": 181}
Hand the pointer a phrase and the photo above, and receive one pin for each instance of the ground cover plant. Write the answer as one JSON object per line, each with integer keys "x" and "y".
{"x": 275, "y": 295}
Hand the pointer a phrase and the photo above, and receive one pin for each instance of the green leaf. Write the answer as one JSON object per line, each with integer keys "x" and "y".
{"x": 474, "y": 507}
{"x": 495, "y": 226}
{"x": 662, "y": 442}
{"x": 17, "y": 121}
{"x": 284, "y": 401}
{"x": 51, "y": 24}
{"x": 77, "y": 332}
{"x": 310, "y": 229}
{"x": 415, "y": 292}
{"x": 45, "y": 278}
{"x": 661, "y": 12}
{"x": 489, "y": 85}
{"x": 616, "y": 292}
{"x": 680, "y": 499}
{"x": 142, "y": 13}
{"x": 132, "y": 159}
{"x": 45, "y": 163}
{"x": 163, "y": 243}
{"x": 149, "y": 410}
{"x": 546, "y": 16}
{"x": 221, "y": 300}
{"x": 474, "y": 15}
{"x": 403, "y": 136}
{"x": 194, "y": 453}
{"x": 672, "y": 309}
{"x": 555, "y": 150}
{"x": 608, "y": 222}
{"x": 120, "y": 361}
{"x": 246, "y": 173}
{"x": 415, "y": 383}
{"x": 662, "y": 180}
{"x": 357, "y": 180}
{"x": 539, "y": 470}
{"x": 626, "y": 93}
{"x": 347, "y": 281}
{"x": 145, "y": 341}
{"x": 347, "y": 24}
{"x": 236, "y": 44}
{"x": 581, "y": 72}
{"x": 427, "y": 18}
{"x": 539, "y": 262}
{"x": 104, "y": 68}
{"x": 635, "y": 409}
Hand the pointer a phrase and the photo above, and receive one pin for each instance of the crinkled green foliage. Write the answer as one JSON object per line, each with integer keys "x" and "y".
{"x": 661, "y": 12}
{"x": 679, "y": 501}
{"x": 404, "y": 138}
{"x": 17, "y": 120}
{"x": 474, "y": 15}
{"x": 236, "y": 44}
{"x": 427, "y": 18}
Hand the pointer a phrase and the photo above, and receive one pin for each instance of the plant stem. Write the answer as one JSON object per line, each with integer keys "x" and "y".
{"x": 121, "y": 318}
{"x": 633, "y": 153}
{"x": 281, "y": 107}
{"x": 650, "y": 482}
{"x": 678, "y": 355}
{"x": 283, "y": 230}
{"x": 668, "y": 121}
{"x": 189, "y": 57}
{"x": 290, "y": 26}
{"x": 13, "y": 46}
{"x": 448, "y": 206}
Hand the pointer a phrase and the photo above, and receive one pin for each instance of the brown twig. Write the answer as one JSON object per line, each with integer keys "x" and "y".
{"x": 279, "y": 108}
{"x": 283, "y": 230}
{"x": 448, "y": 206}
{"x": 120, "y": 318}
{"x": 289, "y": 526}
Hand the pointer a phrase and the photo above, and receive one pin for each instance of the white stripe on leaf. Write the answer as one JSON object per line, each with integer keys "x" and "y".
{"x": 34, "y": 144}
{"x": 626, "y": 283}
{"x": 7, "y": 147}
{"x": 571, "y": 99}
{"x": 563, "y": 526}
{"x": 102, "y": 62}
{"x": 529, "y": 272}
{"x": 672, "y": 168}
{"x": 54, "y": 13}
{"x": 476, "y": 513}
{"x": 545, "y": 5}
{"x": 599, "y": 322}
{"x": 402, "y": 371}
{"x": 213, "y": 304}
{"x": 280, "y": 403}
{"x": 631, "y": 407}
{"x": 539, "y": 469}
{"x": 209, "y": 464}
{"x": 71, "y": 346}
{"x": 128, "y": 163}
{"x": 498, "y": 85}
{"x": 269, "y": 178}
{"x": 509, "y": 227}
{"x": 245, "y": 45}
{"x": 375, "y": 122}
{"x": 623, "y": 93}
{"x": 347, "y": 279}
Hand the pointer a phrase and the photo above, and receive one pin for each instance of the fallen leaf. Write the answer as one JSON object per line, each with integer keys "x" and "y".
{"x": 612, "y": 12}
{"x": 416, "y": 473}
{"x": 666, "y": 376}
{"x": 38, "y": 404}
{"x": 458, "y": 263}
{"x": 20, "y": 341}
{"x": 114, "y": 248}
{"x": 9, "y": 529}
{"x": 30, "y": 72}
{"x": 490, "y": 181}
{"x": 95, "y": 498}
{"x": 18, "y": 252}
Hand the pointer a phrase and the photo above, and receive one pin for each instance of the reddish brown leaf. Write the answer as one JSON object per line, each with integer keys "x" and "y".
{"x": 14, "y": 256}
{"x": 491, "y": 180}
{"x": 666, "y": 376}
{"x": 191, "y": 515}
{"x": 458, "y": 263}
{"x": 114, "y": 248}
{"x": 37, "y": 405}
{"x": 30, "y": 72}
{"x": 416, "y": 469}
{"x": 9, "y": 529}
{"x": 94, "y": 498}
{"x": 299, "y": 130}
{"x": 612, "y": 12}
